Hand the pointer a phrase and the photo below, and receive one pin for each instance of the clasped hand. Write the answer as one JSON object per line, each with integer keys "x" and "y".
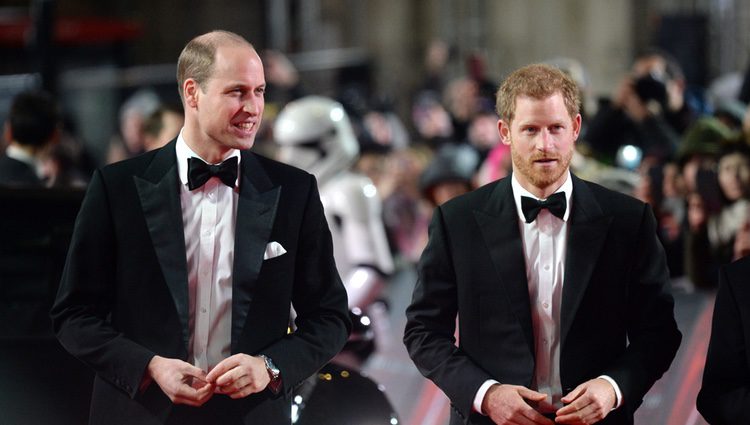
{"x": 237, "y": 376}
{"x": 588, "y": 403}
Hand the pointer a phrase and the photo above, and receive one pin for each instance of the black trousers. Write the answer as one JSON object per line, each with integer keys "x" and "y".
{"x": 220, "y": 409}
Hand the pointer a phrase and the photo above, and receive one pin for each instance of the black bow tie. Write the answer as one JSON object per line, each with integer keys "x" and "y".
{"x": 199, "y": 172}
{"x": 556, "y": 204}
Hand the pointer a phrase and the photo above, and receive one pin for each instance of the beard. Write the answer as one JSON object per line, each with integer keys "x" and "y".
{"x": 540, "y": 177}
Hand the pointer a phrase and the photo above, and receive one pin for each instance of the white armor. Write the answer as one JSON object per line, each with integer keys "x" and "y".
{"x": 314, "y": 133}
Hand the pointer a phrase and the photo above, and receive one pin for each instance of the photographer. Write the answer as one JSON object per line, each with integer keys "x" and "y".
{"x": 648, "y": 110}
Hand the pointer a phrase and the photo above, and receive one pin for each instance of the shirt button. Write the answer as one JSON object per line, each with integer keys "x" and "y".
{"x": 546, "y": 267}
{"x": 545, "y": 305}
{"x": 203, "y": 309}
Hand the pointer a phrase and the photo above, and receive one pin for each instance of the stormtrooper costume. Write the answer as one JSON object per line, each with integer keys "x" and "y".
{"x": 314, "y": 133}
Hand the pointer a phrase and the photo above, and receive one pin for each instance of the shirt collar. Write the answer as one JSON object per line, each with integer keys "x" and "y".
{"x": 19, "y": 154}
{"x": 518, "y": 191}
{"x": 184, "y": 152}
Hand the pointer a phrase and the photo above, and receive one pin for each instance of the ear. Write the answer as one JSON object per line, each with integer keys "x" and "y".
{"x": 504, "y": 129}
{"x": 577, "y": 126}
{"x": 190, "y": 91}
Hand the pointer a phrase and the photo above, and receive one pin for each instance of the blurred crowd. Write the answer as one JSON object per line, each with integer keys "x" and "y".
{"x": 685, "y": 150}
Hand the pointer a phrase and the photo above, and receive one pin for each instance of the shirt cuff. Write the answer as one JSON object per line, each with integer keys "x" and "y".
{"x": 481, "y": 392}
{"x": 618, "y": 394}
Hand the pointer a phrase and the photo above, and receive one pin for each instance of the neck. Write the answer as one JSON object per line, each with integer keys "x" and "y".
{"x": 213, "y": 153}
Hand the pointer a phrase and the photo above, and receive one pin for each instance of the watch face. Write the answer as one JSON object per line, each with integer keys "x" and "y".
{"x": 273, "y": 371}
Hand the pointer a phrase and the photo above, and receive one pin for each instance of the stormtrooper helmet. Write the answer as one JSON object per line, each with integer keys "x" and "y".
{"x": 314, "y": 133}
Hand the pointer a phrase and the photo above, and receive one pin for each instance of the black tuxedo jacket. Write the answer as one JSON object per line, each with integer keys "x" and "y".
{"x": 124, "y": 292}
{"x": 616, "y": 318}
{"x": 724, "y": 398}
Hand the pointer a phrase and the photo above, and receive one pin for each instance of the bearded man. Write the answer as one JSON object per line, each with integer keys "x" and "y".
{"x": 559, "y": 285}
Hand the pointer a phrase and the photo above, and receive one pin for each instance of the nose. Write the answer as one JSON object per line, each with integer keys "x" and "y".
{"x": 251, "y": 106}
{"x": 544, "y": 142}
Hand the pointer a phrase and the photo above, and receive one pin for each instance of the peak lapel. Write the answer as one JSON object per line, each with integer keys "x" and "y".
{"x": 502, "y": 236}
{"x": 586, "y": 235}
{"x": 159, "y": 194}
{"x": 256, "y": 211}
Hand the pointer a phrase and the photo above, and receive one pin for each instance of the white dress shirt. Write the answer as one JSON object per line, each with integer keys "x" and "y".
{"x": 544, "y": 248}
{"x": 209, "y": 215}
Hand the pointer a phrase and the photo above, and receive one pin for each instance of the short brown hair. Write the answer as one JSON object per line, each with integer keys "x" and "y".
{"x": 197, "y": 58}
{"x": 537, "y": 81}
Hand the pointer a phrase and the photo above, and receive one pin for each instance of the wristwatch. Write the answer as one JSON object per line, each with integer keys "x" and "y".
{"x": 274, "y": 373}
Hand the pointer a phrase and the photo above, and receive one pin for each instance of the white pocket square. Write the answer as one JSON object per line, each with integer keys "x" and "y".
{"x": 273, "y": 250}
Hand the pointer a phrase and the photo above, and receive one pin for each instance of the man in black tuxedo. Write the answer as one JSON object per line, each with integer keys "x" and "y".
{"x": 559, "y": 285}
{"x": 724, "y": 398}
{"x": 33, "y": 124}
{"x": 181, "y": 275}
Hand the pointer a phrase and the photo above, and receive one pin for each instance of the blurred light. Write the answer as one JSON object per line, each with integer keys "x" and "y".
{"x": 337, "y": 114}
{"x": 298, "y": 399}
{"x": 630, "y": 153}
{"x": 356, "y": 311}
{"x": 370, "y": 190}
{"x": 365, "y": 320}
{"x": 295, "y": 413}
{"x": 394, "y": 421}
{"x": 629, "y": 157}
{"x": 344, "y": 373}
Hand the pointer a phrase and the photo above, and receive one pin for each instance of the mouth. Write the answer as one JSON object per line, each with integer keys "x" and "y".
{"x": 545, "y": 161}
{"x": 246, "y": 127}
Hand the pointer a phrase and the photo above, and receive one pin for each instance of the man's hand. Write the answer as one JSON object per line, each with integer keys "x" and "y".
{"x": 506, "y": 404}
{"x": 182, "y": 382}
{"x": 588, "y": 403}
{"x": 239, "y": 376}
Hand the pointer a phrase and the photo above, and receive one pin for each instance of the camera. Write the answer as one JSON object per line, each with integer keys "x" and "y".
{"x": 651, "y": 87}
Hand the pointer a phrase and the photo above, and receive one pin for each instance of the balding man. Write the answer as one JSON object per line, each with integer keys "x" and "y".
{"x": 185, "y": 262}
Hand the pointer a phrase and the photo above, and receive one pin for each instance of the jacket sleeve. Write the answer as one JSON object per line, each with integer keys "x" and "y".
{"x": 653, "y": 336}
{"x": 80, "y": 314}
{"x": 724, "y": 397}
{"x": 431, "y": 324}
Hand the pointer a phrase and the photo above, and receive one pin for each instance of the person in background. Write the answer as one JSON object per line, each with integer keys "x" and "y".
{"x": 185, "y": 263}
{"x": 648, "y": 110}
{"x": 719, "y": 236}
{"x": 161, "y": 126}
{"x": 560, "y": 286}
{"x": 449, "y": 174}
{"x": 133, "y": 113}
{"x": 32, "y": 128}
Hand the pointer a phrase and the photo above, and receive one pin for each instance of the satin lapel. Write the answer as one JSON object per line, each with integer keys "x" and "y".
{"x": 159, "y": 193}
{"x": 502, "y": 236}
{"x": 587, "y": 231}
{"x": 256, "y": 211}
